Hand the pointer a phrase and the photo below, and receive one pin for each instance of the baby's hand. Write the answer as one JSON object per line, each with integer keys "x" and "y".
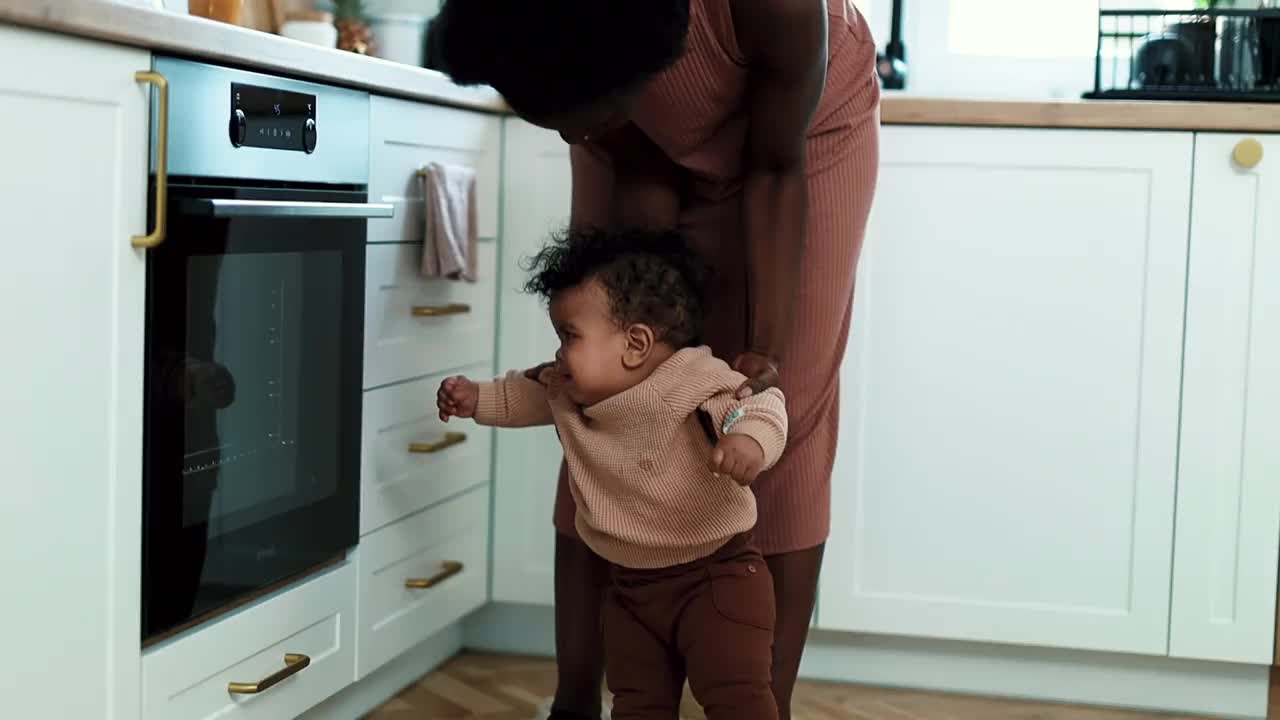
{"x": 457, "y": 398}
{"x": 739, "y": 457}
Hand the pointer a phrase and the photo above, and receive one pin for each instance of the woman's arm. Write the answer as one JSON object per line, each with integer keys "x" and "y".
{"x": 785, "y": 42}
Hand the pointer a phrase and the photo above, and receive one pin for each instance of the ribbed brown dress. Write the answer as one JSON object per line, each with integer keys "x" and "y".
{"x": 695, "y": 112}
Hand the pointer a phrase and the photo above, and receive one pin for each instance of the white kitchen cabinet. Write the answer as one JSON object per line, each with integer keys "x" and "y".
{"x": 1008, "y": 443}
{"x": 404, "y": 137}
{"x": 1228, "y": 510}
{"x": 71, "y": 294}
{"x": 536, "y": 195}
{"x": 271, "y": 660}
{"x": 410, "y": 460}
{"x": 421, "y": 574}
{"x": 415, "y": 325}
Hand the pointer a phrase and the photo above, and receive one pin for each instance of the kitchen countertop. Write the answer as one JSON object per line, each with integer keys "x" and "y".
{"x": 1095, "y": 114}
{"x": 199, "y": 38}
{"x": 202, "y": 39}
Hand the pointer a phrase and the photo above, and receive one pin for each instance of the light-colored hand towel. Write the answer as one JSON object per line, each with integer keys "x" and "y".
{"x": 449, "y": 236}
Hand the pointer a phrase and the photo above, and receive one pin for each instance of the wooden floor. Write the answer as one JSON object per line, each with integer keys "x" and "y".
{"x": 502, "y": 688}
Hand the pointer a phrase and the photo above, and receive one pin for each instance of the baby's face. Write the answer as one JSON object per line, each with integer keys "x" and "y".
{"x": 592, "y": 346}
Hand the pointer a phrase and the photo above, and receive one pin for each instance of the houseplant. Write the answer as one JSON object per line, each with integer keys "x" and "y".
{"x": 354, "y": 33}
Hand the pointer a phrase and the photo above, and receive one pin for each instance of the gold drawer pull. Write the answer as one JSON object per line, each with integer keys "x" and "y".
{"x": 449, "y": 569}
{"x": 1247, "y": 153}
{"x": 294, "y": 663}
{"x": 449, "y": 440}
{"x": 441, "y": 310}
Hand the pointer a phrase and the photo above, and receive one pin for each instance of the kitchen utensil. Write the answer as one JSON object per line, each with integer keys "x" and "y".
{"x": 314, "y": 27}
{"x": 401, "y": 37}
{"x": 1238, "y": 53}
{"x": 1164, "y": 60}
{"x": 1201, "y": 37}
{"x": 1269, "y": 51}
{"x": 227, "y": 11}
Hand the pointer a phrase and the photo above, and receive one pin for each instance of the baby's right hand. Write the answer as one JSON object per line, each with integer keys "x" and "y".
{"x": 457, "y": 398}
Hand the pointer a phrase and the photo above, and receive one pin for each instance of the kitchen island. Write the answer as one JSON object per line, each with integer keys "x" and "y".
{"x": 1051, "y": 480}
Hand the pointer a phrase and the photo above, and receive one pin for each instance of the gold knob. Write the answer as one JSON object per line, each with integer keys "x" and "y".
{"x": 1248, "y": 153}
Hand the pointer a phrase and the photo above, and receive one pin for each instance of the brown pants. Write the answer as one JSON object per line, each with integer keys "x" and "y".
{"x": 710, "y": 621}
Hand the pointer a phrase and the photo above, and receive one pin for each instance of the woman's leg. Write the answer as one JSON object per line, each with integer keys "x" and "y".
{"x": 795, "y": 588}
{"x": 581, "y": 580}
{"x": 795, "y": 496}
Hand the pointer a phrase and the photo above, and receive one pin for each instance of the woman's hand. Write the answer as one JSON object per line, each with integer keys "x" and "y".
{"x": 761, "y": 372}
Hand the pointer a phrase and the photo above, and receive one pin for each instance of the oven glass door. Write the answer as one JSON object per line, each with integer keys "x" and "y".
{"x": 255, "y": 335}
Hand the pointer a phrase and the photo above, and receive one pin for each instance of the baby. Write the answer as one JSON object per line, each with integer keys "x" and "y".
{"x": 661, "y": 454}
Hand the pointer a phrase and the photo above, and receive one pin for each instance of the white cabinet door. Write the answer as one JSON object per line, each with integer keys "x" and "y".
{"x": 309, "y": 628}
{"x": 420, "y": 575}
{"x": 1006, "y": 464}
{"x": 72, "y": 288}
{"x": 1228, "y": 519}
{"x": 536, "y": 196}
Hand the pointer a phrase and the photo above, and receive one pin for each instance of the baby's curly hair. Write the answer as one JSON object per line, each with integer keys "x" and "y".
{"x": 651, "y": 277}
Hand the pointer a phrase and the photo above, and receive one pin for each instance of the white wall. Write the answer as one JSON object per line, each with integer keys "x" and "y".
{"x": 995, "y": 48}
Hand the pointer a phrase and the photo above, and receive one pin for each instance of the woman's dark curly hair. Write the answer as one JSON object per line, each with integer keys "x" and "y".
{"x": 556, "y": 56}
{"x": 651, "y": 277}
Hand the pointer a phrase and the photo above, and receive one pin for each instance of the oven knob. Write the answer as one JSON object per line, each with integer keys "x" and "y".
{"x": 239, "y": 128}
{"x": 309, "y": 136}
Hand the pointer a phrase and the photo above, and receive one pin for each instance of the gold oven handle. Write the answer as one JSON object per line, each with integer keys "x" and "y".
{"x": 449, "y": 440}
{"x": 162, "y": 162}
{"x": 449, "y": 568}
{"x": 441, "y": 310}
{"x": 294, "y": 663}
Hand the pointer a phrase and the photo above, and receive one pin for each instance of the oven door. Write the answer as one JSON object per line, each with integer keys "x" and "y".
{"x": 253, "y": 375}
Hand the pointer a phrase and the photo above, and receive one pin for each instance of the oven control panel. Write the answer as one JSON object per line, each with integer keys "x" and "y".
{"x": 264, "y": 117}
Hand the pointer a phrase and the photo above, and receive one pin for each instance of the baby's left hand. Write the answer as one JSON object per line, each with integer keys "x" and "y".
{"x": 739, "y": 457}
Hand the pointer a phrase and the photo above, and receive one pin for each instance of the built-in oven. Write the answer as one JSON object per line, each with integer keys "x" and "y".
{"x": 255, "y": 299}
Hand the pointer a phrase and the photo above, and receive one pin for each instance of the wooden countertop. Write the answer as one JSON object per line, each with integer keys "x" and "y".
{"x": 201, "y": 39}
{"x": 1096, "y": 114}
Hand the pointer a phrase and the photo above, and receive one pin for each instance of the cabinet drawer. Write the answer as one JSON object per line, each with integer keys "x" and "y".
{"x": 444, "y": 551}
{"x": 406, "y": 136}
{"x": 411, "y": 459}
{"x": 416, "y": 326}
{"x": 190, "y": 678}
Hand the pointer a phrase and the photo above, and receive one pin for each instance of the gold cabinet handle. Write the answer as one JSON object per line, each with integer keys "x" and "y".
{"x": 1247, "y": 153}
{"x": 449, "y": 440}
{"x": 162, "y": 162}
{"x": 449, "y": 568}
{"x": 441, "y": 310}
{"x": 294, "y": 663}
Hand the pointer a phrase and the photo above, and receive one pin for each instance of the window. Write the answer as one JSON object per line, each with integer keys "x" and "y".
{"x": 1023, "y": 28}
{"x": 1034, "y": 28}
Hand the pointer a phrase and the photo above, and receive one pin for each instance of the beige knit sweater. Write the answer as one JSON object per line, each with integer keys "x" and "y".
{"x": 638, "y": 462}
